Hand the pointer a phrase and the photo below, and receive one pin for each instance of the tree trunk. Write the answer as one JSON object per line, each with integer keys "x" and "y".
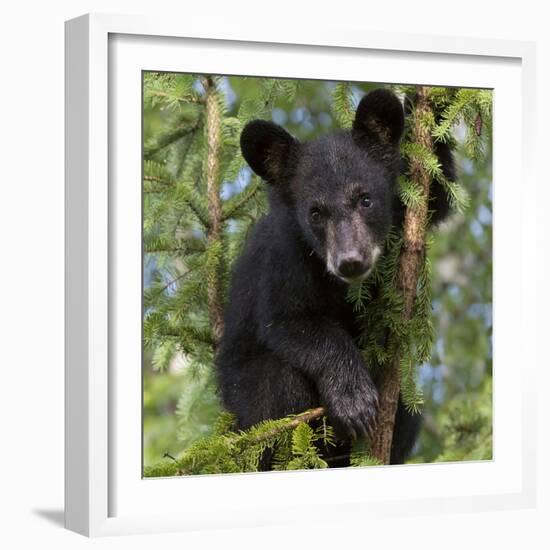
{"x": 213, "y": 125}
{"x": 410, "y": 263}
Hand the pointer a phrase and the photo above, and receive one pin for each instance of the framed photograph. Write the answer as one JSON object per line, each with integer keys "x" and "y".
{"x": 288, "y": 264}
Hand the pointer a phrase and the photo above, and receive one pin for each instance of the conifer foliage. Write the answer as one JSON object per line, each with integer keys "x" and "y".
{"x": 199, "y": 202}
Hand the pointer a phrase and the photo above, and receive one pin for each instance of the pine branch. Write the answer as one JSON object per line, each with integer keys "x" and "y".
{"x": 410, "y": 266}
{"x": 157, "y": 179}
{"x": 227, "y": 451}
{"x": 307, "y": 416}
{"x": 170, "y": 137}
{"x": 184, "y": 332}
{"x": 190, "y": 198}
{"x": 190, "y": 98}
{"x": 232, "y": 206}
{"x": 342, "y": 108}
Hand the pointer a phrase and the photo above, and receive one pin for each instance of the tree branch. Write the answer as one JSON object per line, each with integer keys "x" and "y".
{"x": 170, "y": 137}
{"x": 307, "y": 416}
{"x": 231, "y": 207}
{"x": 183, "y": 99}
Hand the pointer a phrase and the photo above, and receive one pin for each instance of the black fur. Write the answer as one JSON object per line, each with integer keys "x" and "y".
{"x": 289, "y": 339}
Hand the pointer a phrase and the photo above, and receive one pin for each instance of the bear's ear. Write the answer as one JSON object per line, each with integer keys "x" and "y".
{"x": 269, "y": 149}
{"x": 379, "y": 120}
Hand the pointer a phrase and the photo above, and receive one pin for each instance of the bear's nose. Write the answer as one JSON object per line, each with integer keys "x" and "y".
{"x": 351, "y": 266}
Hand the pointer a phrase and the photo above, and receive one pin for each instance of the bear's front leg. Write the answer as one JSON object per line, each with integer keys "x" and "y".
{"x": 327, "y": 355}
{"x": 351, "y": 399}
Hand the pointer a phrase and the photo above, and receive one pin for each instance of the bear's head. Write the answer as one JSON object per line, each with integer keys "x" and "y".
{"x": 340, "y": 187}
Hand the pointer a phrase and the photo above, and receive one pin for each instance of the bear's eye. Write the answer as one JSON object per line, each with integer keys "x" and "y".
{"x": 315, "y": 215}
{"x": 365, "y": 201}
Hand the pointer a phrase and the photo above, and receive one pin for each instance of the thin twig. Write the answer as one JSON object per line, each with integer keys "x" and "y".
{"x": 175, "y": 280}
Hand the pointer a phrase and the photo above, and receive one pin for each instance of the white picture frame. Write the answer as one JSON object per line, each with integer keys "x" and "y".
{"x": 105, "y": 493}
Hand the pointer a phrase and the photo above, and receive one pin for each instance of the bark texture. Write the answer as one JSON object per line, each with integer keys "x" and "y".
{"x": 213, "y": 126}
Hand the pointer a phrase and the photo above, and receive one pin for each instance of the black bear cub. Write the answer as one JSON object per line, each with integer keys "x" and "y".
{"x": 289, "y": 339}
